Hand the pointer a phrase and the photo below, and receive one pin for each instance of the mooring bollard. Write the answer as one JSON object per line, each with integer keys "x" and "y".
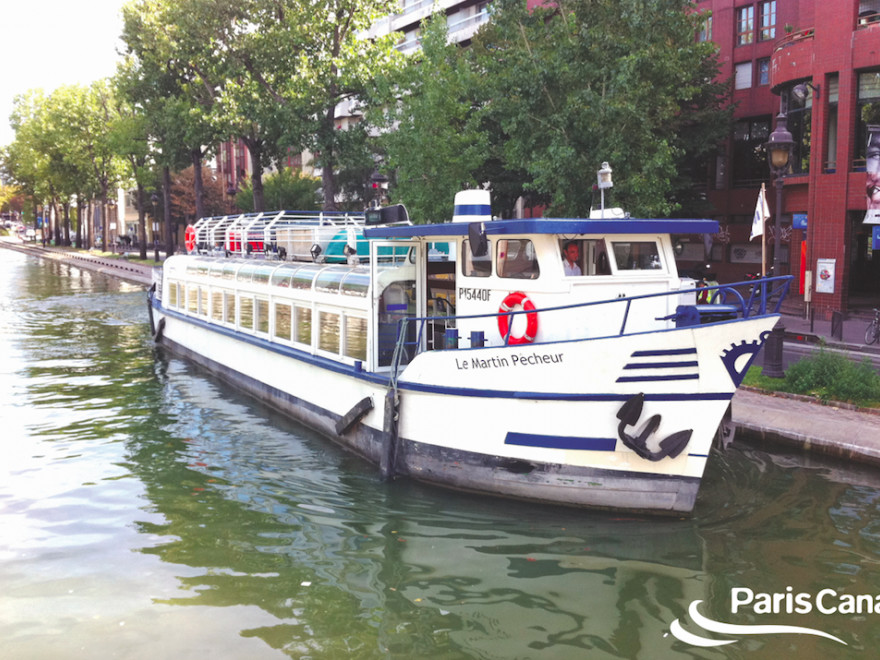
{"x": 773, "y": 352}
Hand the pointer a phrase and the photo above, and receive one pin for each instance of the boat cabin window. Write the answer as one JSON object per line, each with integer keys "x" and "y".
{"x": 281, "y": 276}
{"x": 261, "y": 315}
{"x": 302, "y": 324}
{"x": 263, "y": 273}
{"x": 636, "y": 255}
{"x": 584, "y": 257}
{"x": 245, "y": 273}
{"x": 355, "y": 337}
{"x": 283, "y": 321}
{"x": 328, "y": 332}
{"x": 246, "y": 312}
{"x": 356, "y": 283}
{"x": 517, "y": 259}
{"x": 229, "y": 271}
{"x": 472, "y": 266}
{"x": 330, "y": 278}
{"x": 303, "y": 277}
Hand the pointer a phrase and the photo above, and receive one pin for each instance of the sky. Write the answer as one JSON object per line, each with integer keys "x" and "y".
{"x": 45, "y": 44}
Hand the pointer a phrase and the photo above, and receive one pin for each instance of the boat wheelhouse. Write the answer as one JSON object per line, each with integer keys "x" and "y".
{"x": 468, "y": 355}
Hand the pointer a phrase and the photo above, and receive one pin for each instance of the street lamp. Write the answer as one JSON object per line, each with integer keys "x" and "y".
{"x": 779, "y": 148}
{"x": 154, "y": 198}
{"x": 604, "y": 180}
{"x": 379, "y": 183}
{"x": 778, "y": 156}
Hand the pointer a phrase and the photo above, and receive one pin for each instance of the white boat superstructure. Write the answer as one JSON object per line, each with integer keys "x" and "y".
{"x": 469, "y": 354}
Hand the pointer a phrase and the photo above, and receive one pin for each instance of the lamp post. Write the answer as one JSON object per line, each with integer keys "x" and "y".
{"x": 778, "y": 156}
{"x": 779, "y": 149}
{"x": 604, "y": 180}
{"x": 379, "y": 183}
{"x": 154, "y": 198}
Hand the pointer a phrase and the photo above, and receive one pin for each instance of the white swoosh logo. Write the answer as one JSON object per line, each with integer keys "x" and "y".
{"x": 733, "y": 629}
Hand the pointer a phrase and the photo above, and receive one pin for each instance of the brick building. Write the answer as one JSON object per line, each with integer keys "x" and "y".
{"x": 819, "y": 63}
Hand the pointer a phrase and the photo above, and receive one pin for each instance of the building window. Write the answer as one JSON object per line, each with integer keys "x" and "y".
{"x": 745, "y": 25}
{"x": 764, "y": 71}
{"x": 800, "y": 115}
{"x": 869, "y": 93}
{"x": 768, "y": 20}
{"x": 743, "y": 75}
{"x": 832, "y": 87}
{"x": 705, "y": 33}
{"x": 869, "y": 12}
{"x": 749, "y": 159}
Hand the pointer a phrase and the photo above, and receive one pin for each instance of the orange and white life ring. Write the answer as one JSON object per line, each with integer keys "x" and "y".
{"x": 511, "y": 301}
{"x": 190, "y": 238}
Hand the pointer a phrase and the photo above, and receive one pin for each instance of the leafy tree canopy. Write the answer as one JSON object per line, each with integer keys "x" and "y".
{"x": 283, "y": 190}
{"x": 587, "y": 81}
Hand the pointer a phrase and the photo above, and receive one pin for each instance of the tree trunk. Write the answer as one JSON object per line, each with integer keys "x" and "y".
{"x": 66, "y": 207}
{"x": 105, "y": 226}
{"x": 198, "y": 187}
{"x": 328, "y": 175}
{"x": 142, "y": 221}
{"x": 90, "y": 223}
{"x": 55, "y": 226}
{"x": 79, "y": 222}
{"x": 255, "y": 149}
{"x": 166, "y": 209}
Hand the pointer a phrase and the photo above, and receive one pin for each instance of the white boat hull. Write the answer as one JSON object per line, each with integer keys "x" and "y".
{"x": 510, "y": 421}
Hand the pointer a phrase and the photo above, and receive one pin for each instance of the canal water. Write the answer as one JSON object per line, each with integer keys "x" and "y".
{"x": 148, "y": 510}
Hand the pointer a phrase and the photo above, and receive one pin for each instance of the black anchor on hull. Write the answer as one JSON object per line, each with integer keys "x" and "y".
{"x": 630, "y": 413}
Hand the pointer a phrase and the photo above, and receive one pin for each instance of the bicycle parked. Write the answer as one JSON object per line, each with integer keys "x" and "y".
{"x": 872, "y": 332}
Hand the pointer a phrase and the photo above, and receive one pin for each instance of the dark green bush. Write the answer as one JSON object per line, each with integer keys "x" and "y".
{"x": 834, "y": 376}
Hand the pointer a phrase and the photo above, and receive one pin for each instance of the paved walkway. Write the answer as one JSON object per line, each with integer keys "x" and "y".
{"x": 795, "y": 422}
{"x": 116, "y": 266}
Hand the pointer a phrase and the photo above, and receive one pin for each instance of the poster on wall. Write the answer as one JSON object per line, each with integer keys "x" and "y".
{"x": 872, "y": 170}
{"x": 825, "y": 275}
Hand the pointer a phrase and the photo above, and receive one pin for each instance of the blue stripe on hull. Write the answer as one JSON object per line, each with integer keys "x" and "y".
{"x": 656, "y": 379}
{"x": 560, "y": 442}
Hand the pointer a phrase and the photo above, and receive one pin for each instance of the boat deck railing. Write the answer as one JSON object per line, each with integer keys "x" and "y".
{"x": 275, "y": 232}
{"x": 724, "y": 302}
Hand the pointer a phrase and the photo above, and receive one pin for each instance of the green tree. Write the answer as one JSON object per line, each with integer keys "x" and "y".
{"x": 129, "y": 139}
{"x": 586, "y": 81}
{"x": 167, "y": 76}
{"x": 283, "y": 190}
{"x": 432, "y": 138}
{"x": 308, "y": 58}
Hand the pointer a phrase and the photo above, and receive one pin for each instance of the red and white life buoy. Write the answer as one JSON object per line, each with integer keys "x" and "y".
{"x": 190, "y": 238}
{"x": 511, "y": 301}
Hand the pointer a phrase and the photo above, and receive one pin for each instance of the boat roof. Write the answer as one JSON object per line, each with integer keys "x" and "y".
{"x": 563, "y": 226}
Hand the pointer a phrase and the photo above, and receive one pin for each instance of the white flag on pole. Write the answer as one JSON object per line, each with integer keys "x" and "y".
{"x": 762, "y": 214}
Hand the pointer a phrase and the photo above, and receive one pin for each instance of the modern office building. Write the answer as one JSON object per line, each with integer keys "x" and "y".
{"x": 817, "y": 63}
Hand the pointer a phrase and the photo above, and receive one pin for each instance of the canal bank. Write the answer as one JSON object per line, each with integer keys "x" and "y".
{"x": 767, "y": 420}
{"x": 113, "y": 266}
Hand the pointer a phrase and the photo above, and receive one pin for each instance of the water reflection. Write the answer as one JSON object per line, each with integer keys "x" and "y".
{"x": 139, "y": 495}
